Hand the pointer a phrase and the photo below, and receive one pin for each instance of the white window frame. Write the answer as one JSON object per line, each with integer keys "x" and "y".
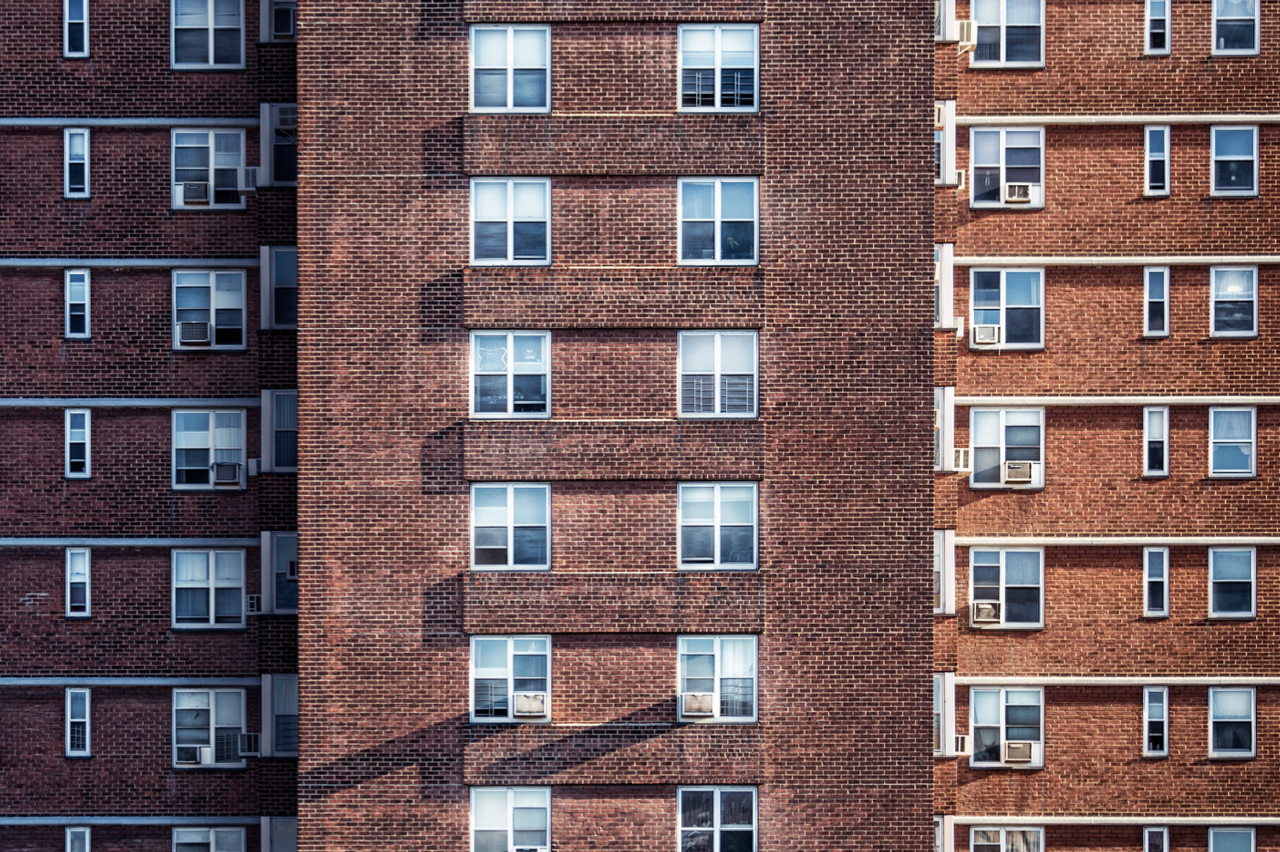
{"x": 267, "y": 25}
{"x": 478, "y": 673}
{"x": 177, "y": 202}
{"x": 1235, "y": 754}
{"x": 1254, "y": 51}
{"x": 1037, "y": 189}
{"x": 270, "y": 747}
{"x": 213, "y": 448}
{"x": 945, "y": 143}
{"x": 268, "y": 119}
{"x": 1253, "y": 584}
{"x": 718, "y": 221}
{"x": 211, "y": 585}
{"x": 267, "y": 275}
{"x": 716, "y": 814}
{"x": 1148, "y": 562}
{"x": 270, "y": 426}
{"x": 1214, "y": 831}
{"x": 239, "y": 762}
{"x": 1003, "y": 325}
{"x": 717, "y": 375}
{"x": 511, "y": 373}
{"x": 1213, "y": 301}
{"x": 212, "y": 276}
{"x": 1150, "y": 132}
{"x": 717, "y": 71}
{"x": 67, "y": 161}
{"x": 1150, "y": 831}
{"x": 1148, "y": 18}
{"x": 944, "y": 427}
{"x": 190, "y": 834}
{"x": 511, "y": 525}
{"x": 67, "y": 52}
{"x": 510, "y": 68}
{"x": 944, "y": 714}
{"x": 718, "y": 563}
{"x": 716, "y": 717}
{"x": 84, "y": 832}
{"x": 944, "y": 305}
{"x": 1252, "y": 450}
{"x": 944, "y": 571}
{"x": 1004, "y": 832}
{"x": 944, "y": 20}
{"x": 71, "y": 555}
{"x": 87, "y": 720}
{"x": 210, "y": 27}
{"x": 67, "y": 417}
{"x": 1003, "y": 25}
{"x": 1150, "y": 693}
{"x": 1038, "y": 477}
{"x": 270, "y": 567}
{"x": 511, "y": 259}
{"x": 68, "y": 302}
{"x": 510, "y": 821}
{"x": 1161, "y": 415}
{"x": 1213, "y": 161}
{"x": 1005, "y": 623}
{"x": 1037, "y": 747}
{"x": 1148, "y": 274}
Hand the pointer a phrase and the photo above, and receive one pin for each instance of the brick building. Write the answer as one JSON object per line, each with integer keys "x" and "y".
{"x": 1107, "y": 568}
{"x": 148, "y": 665}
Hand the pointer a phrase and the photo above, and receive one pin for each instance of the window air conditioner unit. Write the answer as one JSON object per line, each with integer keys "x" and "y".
{"x": 968, "y": 42}
{"x": 963, "y": 747}
{"x": 984, "y": 612}
{"x": 248, "y": 179}
{"x": 283, "y": 24}
{"x": 963, "y": 460}
{"x": 226, "y": 473}
{"x": 253, "y": 604}
{"x": 1017, "y": 193}
{"x": 202, "y": 755}
{"x": 195, "y": 192}
{"x": 291, "y": 571}
{"x": 194, "y": 333}
{"x": 1019, "y": 473}
{"x": 250, "y": 745}
{"x": 939, "y": 116}
{"x": 1015, "y": 752}
{"x": 531, "y": 849}
{"x": 986, "y": 335}
{"x": 530, "y": 704}
{"x": 697, "y": 704}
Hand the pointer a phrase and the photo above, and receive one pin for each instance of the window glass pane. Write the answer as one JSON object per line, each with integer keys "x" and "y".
{"x": 530, "y": 49}
{"x": 986, "y": 147}
{"x": 1232, "y": 565}
{"x": 491, "y": 48}
{"x": 1232, "y": 425}
{"x": 737, "y": 199}
{"x": 227, "y": 569}
{"x": 737, "y": 47}
{"x": 737, "y": 353}
{"x": 491, "y": 200}
{"x": 698, "y": 200}
{"x": 1022, "y": 288}
{"x": 737, "y": 658}
{"x": 736, "y": 504}
{"x": 530, "y": 200}
{"x": 491, "y": 654}
{"x": 1022, "y": 568}
{"x": 226, "y": 13}
{"x": 489, "y": 809}
{"x": 1155, "y": 425}
{"x": 697, "y": 353}
{"x": 1233, "y": 142}
{"x": 491, "y": 352}
{"x": 1232, "y": 841}
{"x": 696, "y": 808}
{"x": 530, "y": 505}
{"x": 529, "y": 89}
{"x": 697, "y": 503}
{"x": 529, "y": 240}
{"x": 490, "y": 506}
{"x": 1023, "y": 841}
{"x": 527, "y": 352}
{"x": 1233, "y": 284}
{"x": 191, "y": 13}
{"x": 698, "y": 48}
{"x": 491, "y": 88}
{"x": 986, "y": 707}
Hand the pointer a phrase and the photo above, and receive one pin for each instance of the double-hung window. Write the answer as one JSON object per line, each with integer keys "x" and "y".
{"x": 280, "y": 716}
{"x": 208, "y": 589}
{"x": 78, "y": 598}
{"x": 1235, "y": 301}
{"x": 208, "y": 309}
{"x": 943, "y": 281}
{"x": 719, "y": 68}
{"x": 1155, "y": 317}
{"x": 1008, "y": 727}
{"x": 1235, "y": 161}
{"x": 1008, "y": 588}
{"x": 279, "y": 265}
{"x": 511, "y": 526}
{"x": 718, "y": 373}
{"x": 207, "y": 724}
{"x": 511, "y": 221}
{"x": 279, "y": 20}
{"x": 717, "y": 819}
{"x": 208, "y": 840}
{"x": 1235, "y": 27}
{"x": 718, "y": 678}
{"x": 511, "y": 679}
{"x": 1008, "y": 308}
{"x": 76, "y": 460}
{"x": 1155, "y": 572}
{"x": 944, "y": 20}
{"x": 206, "y": 168}
{"x": 75, "y": 32}
{"x": 1155, "y": 721}
{"x": 718, "y": 525}
{"x": 1231, "y": 840}
{"x": 1006, "y": 840}
{"x": 77, "y": 739}
{"x": 1232, "y": 442}
{"x": 1008, "y": 447}
{"x": 944, "y": 572}
{"x": 944, "y": 142}
{"x": 944, "y": 428}
{"x": 75, "y": 172}
{"x": 944, "y": 714}
{"x": 1010, "y": 33}
{"x": 78, "y": 839}
{"x": 1157, "y": 156}
{"x": 1157, "y": 32}
{"x": 208, "y": 450}
{"x": 511, "y": 374}
{"x": 506, "y": 819}
{"x": 280, "y": 572}
{"x": 76, "y": 304}
{"x": 280, "y": 431}
{"x": 1231, "y": 723}
{"x": 1155, "y": 838}
{"x": 510, "y": 68}
{"x": 207, "y": 34}
{"x": 1155, "y": 440}
{"x": 1232, "y": 586}
{"x": 718, "y": 220}
{"x": 279, "y": 137}
{"x": 1007, "y": 165}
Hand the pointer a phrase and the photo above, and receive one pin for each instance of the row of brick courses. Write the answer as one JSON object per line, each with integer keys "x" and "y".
{"x": 276, "y": 209}
{"x": 579, "y": 11}
{"x": 277, "y": 72}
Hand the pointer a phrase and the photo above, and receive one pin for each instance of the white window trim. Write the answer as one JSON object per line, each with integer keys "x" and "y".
{"x": 67, "y": 52}
{"x": 1147, "y": 471}
{"x": 1038, "y": 479}
{"x": 511, "y": 677}
{"x": 510, "y": 413}
{"x": 213, "y": 726}
{"x": 1253, "y": 722}
{"x": 717, "y": 564}
{"x": 715, "y": 718}
{"x": 1253, "y": 585}
{"x": 268, "y": 824}
{"x": 948, "y": 711}
{"x": 212, "y": 346}
{"x": 944, "y": 550}
{"x": 87, "y": 751}
{"x": 510, "y": 566}
{"x": 88, "y": 443}
{"x": 173, "y": 449}
{"x": 1257, "y": 42}
{"x": 1037, "y": 748}
{"x": 754, "y": 414}
{"x": 67, "y": 133}
{"x": 268, "y": 737}
{"x": 715, "y": 828}
{"x": 211, "y": 65}
{"x": 948, "y": 24}
{"x": 1146, "y": 300}
{"x": 267, "y": 279}
{"x": 471, "y": 69}
{"x": 948, "y": 128}
{"x": 83, "y": 831}
{"x": 510, "y": 259}
{"x": 267, "y": 561}
{"x": 755, "y": 29}
{"x": 67, "y": 303}
{"x": 1037, "y": 189}
{"x": 1161, "y": 831}
{"x": 1002, "y": 345}
{"x": 1213, "y": 162}
{"x": 210, "y": 832}
{"x": 1253, "y": 445}
{"x": 268, "y": 418}
{"x": 510, "y": 791}
{"x": 88, "y": 582}
{"x": 267, "y": 28}
{"x": 1147, "y": 611}
{"x": 1005, "y": 624}
{"x": 176, "y": 202}
{"x": 718, "y": 220}
{"x": 1004, "y": 845}
{"x": 945, "y": 427}
{"x": 1004, "y": 45}
{"x": 1213, "y": 331}
{"x": 1148, "y": 157}
{"x": 944, "y": 299}
{"x": 266, "y": 138}
{"x": 211, "y": 624}
{"x": 1147, "y": 692}
{"x": 1164, "y": 51}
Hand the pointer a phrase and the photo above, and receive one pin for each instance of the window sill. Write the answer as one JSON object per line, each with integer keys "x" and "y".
{"x": 190, "y": 67}
{"x": 1229, "y": 477}
{"x": 1228, "y": 54}
{"x": 524, "y": 264}
{"x": 210, "y": 208}
{"x": 219, "y": 767}
{"x": 78, "y": 756}
{"x": 85, "y": 616}
{"x": 206, "y": 489}
{"x": 511, "y": 569}
{"x": 1155, "y": 194}
{"x": 1213, "y": 616}
{"x": 717, "y": 110}
{"x": 1233, "y": 335}
{"x": 1162, "y": 475}
{"x": 475, "y": 415}
{"x": 1160, "y": 616}
{"x": 1020, "y": 767}
{"x": 736, "y": 569}
{"x": 1005, "y": 66}
{"x": 76, "y": 198}
{"x": 1232, "y": 757}
{"x": 1023, "y": 208}
{"x": 1162, "y": 756}
{"x": 512, "y": 111}
{"x": 510, "y": 723}
{"x": 978, "y": 486}
{"x": 207, "y": 628}
{"x": 1161, "y": 336}
{"x": 1229, "y": 194}
{"x": 683, "y": 416}
{"x": 718, "y": 263}
{"x": 199, "y": 349}
{"x": 1004, "y": 628}
{"x": 1001, "y": 347}
{"x": 683, "y": 721}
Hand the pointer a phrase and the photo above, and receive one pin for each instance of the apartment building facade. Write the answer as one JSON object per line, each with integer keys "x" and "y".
{"x": 1106, "y": 418}
{"x": 148, "y": 666}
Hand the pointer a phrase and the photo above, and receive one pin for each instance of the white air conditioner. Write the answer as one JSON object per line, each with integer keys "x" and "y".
{"x": 963, "y": 746}
{"x": 1018, "y": 752}
{"x": 984, "y": 612}
{"x": 697, "y": 704}
{"x": 194, "y": 334}
{"x": 226, "y": 473}
{"x": 247, "y": 179}
{"x": 291, "y": 570}
{"x": 986, "y": 335}
{"x": 939, "y": 116}
{"x": 1018, "y": 473}
{"x": 965, "y": 36}
{"x": 963, "y": 461}
{"x": 250, "y": 745}
{"x": 1017, "y": 193}
{"x": 253, "y": 604}
{"x": 530, "y": 704}
{"x": 195, "y": 192}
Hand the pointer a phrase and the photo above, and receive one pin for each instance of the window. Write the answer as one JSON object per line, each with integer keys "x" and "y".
{"x": 944, "y": 428}
{"x": 1003, "y": 440}
{"x": 944, "y": 721}
{"x": 506, "y": 818}
{"x": 718, "y": 678}
{"x": 1155, "y": 320}
{"x": 1007, "y": 167}
{"x": 75, "y": 45}
{"x": 1157, "y": 159}
{"x": 208, "y": 309}
{"x": 1006, "y": 840}
{"x": 76, "y": 460}
{"x": 511, "y": 374}
{"x": 510, "y": 69}
{"x": 718, "y": 219}
{"x": 279, "y": 145}
{"x": 78, "y": 723}
{"x": 1231, "y": 840}
{"x": 77, "y": 591}
{"x": 279, "y": 20}
{"x": 944, "y": 20}
{"x": 1235, "y": 301}
{"x": 1235, "y": 160}
{"x": 207, "y": 724}
{"x": 718, "y": 373}
{"x": 1155, "y": 838}
{"x": 1235, "y": 27}
{"x": 511, "y": 679}
{"x": 76, "y": 311}
{"x": 1157, "y": 45}
{"x": 1155, "y": 561}
{"x": 279, "y": 834}
{"x": 943, "y": 279}
{"x": 1231, "y": 722}
{"x": 719, "y": 67}
{"x": 718, "y": 525}
{"x": 206, "y": 167}
{"x": 944, "y": 572}
{"x": 208, "y": 840}
{"x": 280, "y": 572}
{"x": 717, "y": 818}
{"x": 1232, "y": 591}
{"x": 1155, "y": 719}
{"x": 511, "y": 222}
{"x": 1155, "y": 436}
{"x": 208, "y": 589}
{"x": 280, "y": 722}
{"x": 1013, "y": 581}
{"x": 511, "y": 526}
{"x": 207, "y": 34}
{"x": 1010, "y": 33}
{"x": 944, "y": 142}
{"x": 1008, "y": 310}
{"x": 208, "y": 450}
{"x": 1232, "y": 435}
{"x": 1008, "y": 727}
{"x": 78, "y": 839}
{"x": 75, "y": 174}
{"x": 280, "y": 431}
{"x": 279, "y": 266}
